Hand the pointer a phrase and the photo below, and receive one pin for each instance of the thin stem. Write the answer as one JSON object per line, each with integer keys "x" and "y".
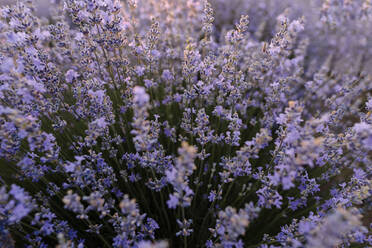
{"x": 184, "y": 236}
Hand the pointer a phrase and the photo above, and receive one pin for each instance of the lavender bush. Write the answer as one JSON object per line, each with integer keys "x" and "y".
{"x": 186, "y": 123}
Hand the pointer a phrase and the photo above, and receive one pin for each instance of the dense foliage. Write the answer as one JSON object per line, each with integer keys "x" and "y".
{"x": 186, "y": 123}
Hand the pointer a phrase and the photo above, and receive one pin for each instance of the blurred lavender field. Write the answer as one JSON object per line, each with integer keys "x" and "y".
{"x": 42, "y": 6}
{"x": 186, "y": 123}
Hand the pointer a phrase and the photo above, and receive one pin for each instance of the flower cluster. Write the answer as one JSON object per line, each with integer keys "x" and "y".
{"x": 186, "y": 123}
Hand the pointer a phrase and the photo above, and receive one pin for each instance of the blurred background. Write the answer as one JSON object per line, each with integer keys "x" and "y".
{"x": 42, "y": 5}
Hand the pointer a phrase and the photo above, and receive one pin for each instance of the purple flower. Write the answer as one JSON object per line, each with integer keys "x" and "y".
{"x": 173, "y": 201}
{"x": 71, "y": 75}
{"x": 140, "y": 96}
{"x": 212, "y": 196}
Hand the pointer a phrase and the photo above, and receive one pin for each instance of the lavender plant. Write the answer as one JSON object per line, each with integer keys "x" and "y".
{"x": 186, "y": 123}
